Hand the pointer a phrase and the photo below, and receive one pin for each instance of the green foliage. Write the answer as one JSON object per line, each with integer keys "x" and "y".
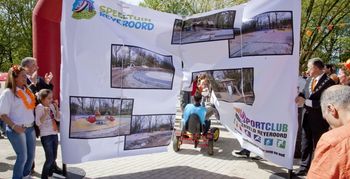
{"x": 325, "y": 30}
{"x": 84, "y": 14}
{"x": 331, "y": 44}
{"x": 15, "y": 31}
{"x": 189, "y": 7}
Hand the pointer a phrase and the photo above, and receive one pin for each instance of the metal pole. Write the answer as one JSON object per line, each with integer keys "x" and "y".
{"x": 64, "y": 168}
{"x": 290, "y": 173}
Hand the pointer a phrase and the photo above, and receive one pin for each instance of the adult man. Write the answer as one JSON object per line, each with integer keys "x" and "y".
{"x": 313, "y": 125}
{"x": 332, "y": 157}
{"x": 196, "y": 108}
{"x": 35, "y": 82}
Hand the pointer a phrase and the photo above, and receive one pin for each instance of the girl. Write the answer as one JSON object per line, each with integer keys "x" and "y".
{"x": 17, "y": 103}
{"x": 47, "y": 114}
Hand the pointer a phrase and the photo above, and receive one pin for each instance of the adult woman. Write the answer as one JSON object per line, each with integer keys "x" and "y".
{"x": 17, "y": 103}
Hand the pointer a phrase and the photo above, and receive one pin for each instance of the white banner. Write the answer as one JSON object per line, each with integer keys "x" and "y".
{"x": 122, "y": 72}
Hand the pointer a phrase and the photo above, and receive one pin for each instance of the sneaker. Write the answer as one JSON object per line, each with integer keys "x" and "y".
{"x": 58, "y": 171}
{"x": 27, "y": 177}
{"x": 243, "y": 152}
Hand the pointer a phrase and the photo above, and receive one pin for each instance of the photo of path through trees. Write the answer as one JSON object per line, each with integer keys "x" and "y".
{"x": 138, "y": 68}
{"x": 231, "y": 85}
{"x": 150, "y": 131}
{"x": 217, "y": 26}
{"x": 269, "y": 33}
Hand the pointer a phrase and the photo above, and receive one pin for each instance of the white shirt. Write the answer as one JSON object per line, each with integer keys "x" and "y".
{"x": 14, "y": 107}
{"x": 45, "y": 127}
{"x": 308, "y": 102}
{"x": 301, "y": 84}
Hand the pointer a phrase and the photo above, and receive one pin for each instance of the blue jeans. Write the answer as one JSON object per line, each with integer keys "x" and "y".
{"x": 2, "y": 126}
{"x": 50, "y": 144}
{"x": 24, "y": 146}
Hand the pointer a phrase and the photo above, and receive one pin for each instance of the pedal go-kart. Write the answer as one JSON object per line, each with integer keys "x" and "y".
{"x": 192, "y": 134}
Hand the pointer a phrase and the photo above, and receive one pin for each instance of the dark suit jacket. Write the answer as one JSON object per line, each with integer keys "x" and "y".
{"x": 313, "y": 115}
{"x": 39, "y": 85}
{"x": 323, "y": 83}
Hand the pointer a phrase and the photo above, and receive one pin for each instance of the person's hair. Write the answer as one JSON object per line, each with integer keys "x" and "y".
{"x": 42, "y": 94}
{"x": 26, "y": 61}
{"x": 330, "y": 67}
{"x": 13, "y": 73}
{"x": 197, "y": 97}
{"x": 338, "y": 95}
{"x": 317, "y": 62}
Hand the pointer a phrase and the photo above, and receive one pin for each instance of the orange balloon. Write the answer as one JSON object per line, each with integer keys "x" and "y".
{"x": 308, "y": 33}
{"x": 347, "y": 64}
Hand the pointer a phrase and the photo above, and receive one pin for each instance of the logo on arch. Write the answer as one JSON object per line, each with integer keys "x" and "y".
{"x": 83, "y": 9}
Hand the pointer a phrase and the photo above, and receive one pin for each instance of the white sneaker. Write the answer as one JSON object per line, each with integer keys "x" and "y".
{"x": 27, "y": 177}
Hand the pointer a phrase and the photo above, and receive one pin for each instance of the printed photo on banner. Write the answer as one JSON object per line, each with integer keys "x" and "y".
{"x": 150, "y": 131}
{"x": 138, "y": 68}
{"x": 93, "y": 117}
{"x": 269, "y": 33}
{"x": 231, "y": 85}
{"x": 213, "y": 27}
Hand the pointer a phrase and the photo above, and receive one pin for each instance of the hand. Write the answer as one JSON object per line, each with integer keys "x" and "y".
{"x": 48, "y": 78}
{"x": 33, "y": 78}
{"x": 55, "y": 104}
{"x": 300, "y": 100}
{"x": 46, "y": 111}
{"x": 18, "y": 129}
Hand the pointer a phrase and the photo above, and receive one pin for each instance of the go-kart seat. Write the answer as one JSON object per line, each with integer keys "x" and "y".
{"x": 193, "y": 124}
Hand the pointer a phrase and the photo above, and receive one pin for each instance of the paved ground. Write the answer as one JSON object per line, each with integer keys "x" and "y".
{"x": 187, "y": 163}
{"x": 142, "y": 78}
{"x": 275, "y": 42}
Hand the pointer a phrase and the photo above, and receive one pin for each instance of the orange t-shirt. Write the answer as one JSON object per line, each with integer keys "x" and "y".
{"x": 332, "y": 155}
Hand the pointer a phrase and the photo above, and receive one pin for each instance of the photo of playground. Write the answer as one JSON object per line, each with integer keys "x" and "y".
{"x": 213, "y": 27}
{"x": 138, "y": 68}
{"x": 92, "y": 117}
{"x": 150, "y": 131}
{"x": 270, "y": 33}
{"x": 231, "y": 85}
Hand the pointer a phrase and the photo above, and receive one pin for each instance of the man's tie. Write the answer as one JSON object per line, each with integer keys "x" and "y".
{"x": 313, "y": 84}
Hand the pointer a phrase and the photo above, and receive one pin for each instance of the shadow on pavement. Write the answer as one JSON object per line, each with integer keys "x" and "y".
{"x": 174, "y": 172}
{"x": 276, "y": 171}
{"x": 5, "y": 167}
{"x": 11, "y": 158}
{"x": 223, "y": 149}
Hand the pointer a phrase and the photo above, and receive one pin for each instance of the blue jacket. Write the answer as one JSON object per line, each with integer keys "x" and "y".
{"x": 190, "y": 109}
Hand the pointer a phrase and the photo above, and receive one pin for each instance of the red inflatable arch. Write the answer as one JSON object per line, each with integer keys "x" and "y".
{"x": 46, "y": 39}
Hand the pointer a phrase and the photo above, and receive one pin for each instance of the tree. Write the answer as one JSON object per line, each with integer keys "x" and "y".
{"x": 324, "y": 24}
{"x": 189, "y": 7}
{"x": 320, "y": 21}
{"x": 15, "y": 31}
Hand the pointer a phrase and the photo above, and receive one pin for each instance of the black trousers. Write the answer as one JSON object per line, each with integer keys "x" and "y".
{"x": 313, "y": 126}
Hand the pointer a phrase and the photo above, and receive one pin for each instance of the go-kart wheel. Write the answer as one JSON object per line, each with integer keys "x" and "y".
{"x": 216, "y": 133}
{"x": 210, "y": 147}
{"x": 176, "y": 143}
{"x": 196, "y": 142}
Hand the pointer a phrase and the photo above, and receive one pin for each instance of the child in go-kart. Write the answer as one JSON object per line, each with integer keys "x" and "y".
{"x": 197, "y": 109}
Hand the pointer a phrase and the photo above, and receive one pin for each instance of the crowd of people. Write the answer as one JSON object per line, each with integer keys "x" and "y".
{"x": 28, "y": 110}
{"x": 324, "y": 102}
{"x": 27, "y": 103}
